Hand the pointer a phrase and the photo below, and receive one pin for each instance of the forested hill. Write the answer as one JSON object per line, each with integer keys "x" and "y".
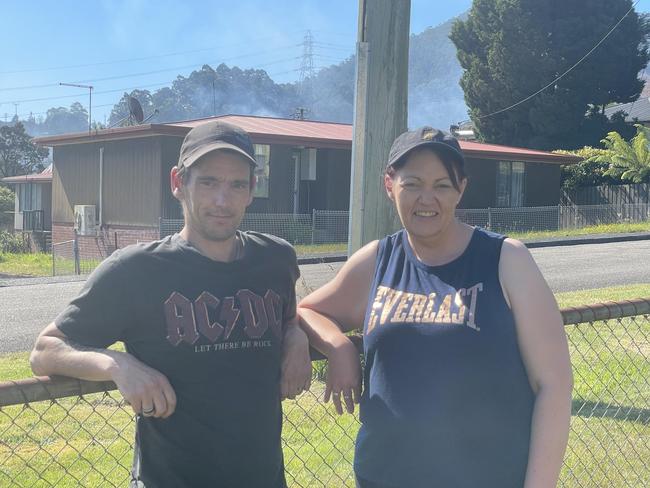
{"x": 435, "y": 96}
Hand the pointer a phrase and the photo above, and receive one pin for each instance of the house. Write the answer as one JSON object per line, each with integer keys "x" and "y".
{"x": 33, "y": 206}
{"x": 637, "y": 112}
{"x": 121, "y": 175}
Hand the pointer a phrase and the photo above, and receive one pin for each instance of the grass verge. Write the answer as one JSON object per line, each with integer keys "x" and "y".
{"x": 623, "y": 228}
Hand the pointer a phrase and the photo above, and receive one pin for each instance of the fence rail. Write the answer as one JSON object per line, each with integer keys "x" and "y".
{"x": 67, "y": 432}
{"x": 325, "y": 227}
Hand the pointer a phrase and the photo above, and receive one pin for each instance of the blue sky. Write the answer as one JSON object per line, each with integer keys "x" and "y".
{"x": 89, "y": 41}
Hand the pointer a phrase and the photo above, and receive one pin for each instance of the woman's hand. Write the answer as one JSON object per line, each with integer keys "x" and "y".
{"x": 343, "y": 376}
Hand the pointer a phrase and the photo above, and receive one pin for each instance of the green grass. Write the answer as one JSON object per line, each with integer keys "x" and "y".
{"x": 40, "y": 264}
{"x": 306, "y": 249}
{"x": 623, "y": 228}
{"x": 37, "y": 264}
{"x": 89, "y": 439}
{"x": 614, "y": 293}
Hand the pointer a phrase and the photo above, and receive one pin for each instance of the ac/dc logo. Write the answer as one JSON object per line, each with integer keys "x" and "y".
{"x": 215, "y": 319}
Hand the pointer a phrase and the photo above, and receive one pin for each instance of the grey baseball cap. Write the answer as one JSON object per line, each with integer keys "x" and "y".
{"x": 213, "y": 136}
{"x": 425, "y": 136}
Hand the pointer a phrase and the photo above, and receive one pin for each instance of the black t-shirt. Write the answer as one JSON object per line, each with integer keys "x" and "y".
{"x": 215, "y": 330}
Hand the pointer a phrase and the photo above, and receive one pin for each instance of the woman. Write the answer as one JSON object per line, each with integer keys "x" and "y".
{"x": 467, "y": 379}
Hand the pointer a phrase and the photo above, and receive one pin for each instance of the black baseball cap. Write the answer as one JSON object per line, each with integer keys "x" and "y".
{"x": 213, "y": 136}
{"x": 425, "y": 136}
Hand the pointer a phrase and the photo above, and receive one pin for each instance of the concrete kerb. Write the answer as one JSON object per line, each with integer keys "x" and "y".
{"x": 337, "y": 258}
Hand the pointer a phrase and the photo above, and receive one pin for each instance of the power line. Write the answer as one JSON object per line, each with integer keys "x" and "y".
{"x": 133, "y": 75}
{"x": 566, "y": 72}
{"x": 42, "y": 99}
{"x": 143, "y": 58}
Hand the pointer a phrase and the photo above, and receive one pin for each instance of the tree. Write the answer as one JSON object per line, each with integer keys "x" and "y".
{"x": 587, "y": 172}
{"x": 509, "y": 49}
{"x": 629, "y": 161}
{"x": 7, "y": 206}
{"x": 18, "y": 155}
{"x": 60, "y": 120}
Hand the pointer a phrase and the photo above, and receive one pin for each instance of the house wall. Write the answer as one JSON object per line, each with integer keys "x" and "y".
{"x": 541, "y": 187}
{"x": 131, "y": 193}
{"x": 281, "y": 178}
{"x": 170, "y": 149}
{"x": 131, "y": 189}
{"x": 481, "y": 184}
{"x": 543, "y": 184}
{"x": 334, "y": 179}
{"x": 46, "y": 205}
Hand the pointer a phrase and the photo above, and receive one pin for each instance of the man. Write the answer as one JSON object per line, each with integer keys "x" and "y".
{"x": 208, "y": 317}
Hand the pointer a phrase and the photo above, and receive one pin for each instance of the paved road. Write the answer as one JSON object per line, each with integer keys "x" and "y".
{"x": 24, "y": 310}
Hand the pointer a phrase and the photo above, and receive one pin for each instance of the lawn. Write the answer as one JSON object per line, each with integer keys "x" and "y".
{"x": 40, "y": 264}
{"x": 622, "y": 228}
{"x": 608, "y": 446}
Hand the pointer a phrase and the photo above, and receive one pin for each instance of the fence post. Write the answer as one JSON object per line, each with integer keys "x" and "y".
{"x": 313, "y": 224}
{"x": 53, "y": 262}
{"x": 75, "y": 252}
{"x": 489, "y": 221}
{"x": 559, "y": 216}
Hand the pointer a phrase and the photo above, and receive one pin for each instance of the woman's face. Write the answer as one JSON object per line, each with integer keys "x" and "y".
{"x": 424, "y": 194}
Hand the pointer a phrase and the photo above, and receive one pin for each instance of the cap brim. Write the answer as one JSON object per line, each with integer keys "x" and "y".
{"x": 216, "y": 146}
{"x": 445, "y": 147}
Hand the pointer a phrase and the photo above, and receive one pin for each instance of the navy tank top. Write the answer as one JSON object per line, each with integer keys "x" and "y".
{"x": 446, "y": 400}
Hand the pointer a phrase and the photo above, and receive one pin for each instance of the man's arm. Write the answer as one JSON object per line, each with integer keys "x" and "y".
{"x": 296, "y": 362}
{"x": 142, "y": 387}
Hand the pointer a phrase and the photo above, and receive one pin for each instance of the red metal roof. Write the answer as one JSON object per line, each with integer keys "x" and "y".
{"x": 271, "y": 130}
{"x": 288, "y": 128}
{"x": 472, "y": 149}
{"x": 44, "y": 176}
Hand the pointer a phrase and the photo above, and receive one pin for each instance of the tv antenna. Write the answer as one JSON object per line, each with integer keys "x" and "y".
{"x": 90, "y": 100}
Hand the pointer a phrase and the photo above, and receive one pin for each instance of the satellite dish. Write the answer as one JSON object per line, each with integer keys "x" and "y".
{"x": 135, "y": 109}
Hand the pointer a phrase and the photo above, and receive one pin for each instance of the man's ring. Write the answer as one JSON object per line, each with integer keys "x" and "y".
{"x": 147, "y": 413}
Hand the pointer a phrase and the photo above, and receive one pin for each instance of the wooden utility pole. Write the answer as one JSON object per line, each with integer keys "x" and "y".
{"x": 380, "y": 114}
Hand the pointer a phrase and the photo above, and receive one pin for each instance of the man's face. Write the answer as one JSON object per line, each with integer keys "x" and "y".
{"x": 215, "y": 194}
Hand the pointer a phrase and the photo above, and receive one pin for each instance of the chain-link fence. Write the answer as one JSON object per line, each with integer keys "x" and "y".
{"x": 327, "y": 227}
{"x": 69, "y": 259}
{"x": 319, "y": 227}
{"x": 71, "y": 433}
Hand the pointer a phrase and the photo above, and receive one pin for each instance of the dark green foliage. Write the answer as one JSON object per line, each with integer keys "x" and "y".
{"x": 7, "y": 205}
{"x": 18, "y": 155}
{"x": 509, "y": 49}
{"x": 207, "y": 92}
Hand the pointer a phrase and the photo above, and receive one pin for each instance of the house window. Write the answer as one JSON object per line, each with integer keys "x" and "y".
{"x": 511, "y": 177}
{"x": 262, "y": 156}
{"x": 27, "y": 197}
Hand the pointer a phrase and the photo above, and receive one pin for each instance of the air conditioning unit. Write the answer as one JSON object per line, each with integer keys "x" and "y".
{"x": 84, "y": 220}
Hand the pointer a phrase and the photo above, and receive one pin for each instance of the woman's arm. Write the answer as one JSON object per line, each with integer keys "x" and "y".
{"x": 544, "y": 350}
{"x": 338, "y": 307}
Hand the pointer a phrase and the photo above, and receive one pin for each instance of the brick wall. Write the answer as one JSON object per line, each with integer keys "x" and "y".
{"x": 102, "y": 245}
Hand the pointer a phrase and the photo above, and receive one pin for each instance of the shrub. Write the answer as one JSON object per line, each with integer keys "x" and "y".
{"x": 12, "y": 243}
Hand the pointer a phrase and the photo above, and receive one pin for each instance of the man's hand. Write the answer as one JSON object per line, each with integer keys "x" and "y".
{"x": 147, "y": 390}
{"x": 343, "y": 377}
{"x": 296, "y": 363}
